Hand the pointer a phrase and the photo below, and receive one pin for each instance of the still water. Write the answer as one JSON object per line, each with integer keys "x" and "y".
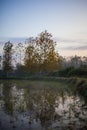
{"x": 38, "y": 105}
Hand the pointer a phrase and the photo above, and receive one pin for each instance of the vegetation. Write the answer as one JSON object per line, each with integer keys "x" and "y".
{"x": 38, "y": 57}
{"x": 70, "y": 72}
{"x": 40, "y": 54}
{"x": 7, "y": 58}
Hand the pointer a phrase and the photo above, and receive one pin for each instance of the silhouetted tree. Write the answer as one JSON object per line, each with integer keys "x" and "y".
{"x": 0, "y": 62}
{"x": 19, "y": 50}
{"x": 76, "y": 61}
{"x": 7, "y": 57}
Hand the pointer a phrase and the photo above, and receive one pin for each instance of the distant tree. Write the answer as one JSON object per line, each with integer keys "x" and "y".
{"x": 84, "y": 60}
{"x": 7, "y": 57}
{"x": 0, "y": 62}
{"x": 76, "y": 61}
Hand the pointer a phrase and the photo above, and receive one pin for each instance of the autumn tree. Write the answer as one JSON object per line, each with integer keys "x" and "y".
{"x": 32, "y": 56}
{"x": 29, "y": 57}
{"x": 40, "y": 54}
{"x": 7, "y": 57}
{"x": 50, "y": 58}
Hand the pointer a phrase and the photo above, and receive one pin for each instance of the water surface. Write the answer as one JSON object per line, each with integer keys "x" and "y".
{"x": 38, "y": 105}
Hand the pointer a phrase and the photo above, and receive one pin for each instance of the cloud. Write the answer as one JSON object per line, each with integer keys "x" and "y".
{"x": 78, "y": 41}
{"x": 13, "y": 39}
{"x": 66, "y": 44}
{"x": 74, "y": 48}
{"x": 71, "y": 44}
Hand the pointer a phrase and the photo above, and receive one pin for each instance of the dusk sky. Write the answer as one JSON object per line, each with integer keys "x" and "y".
{"x": 65, "y": 19}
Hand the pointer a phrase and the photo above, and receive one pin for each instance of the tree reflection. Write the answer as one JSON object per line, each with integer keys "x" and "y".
{"x": 8, "y": 100}
{"x": 43, "y": 106}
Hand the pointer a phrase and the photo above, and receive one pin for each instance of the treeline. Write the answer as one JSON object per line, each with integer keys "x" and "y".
{"x": 74, "y": 66}
{"x": 70, "y": 72}
{"x": 38, "y": 56}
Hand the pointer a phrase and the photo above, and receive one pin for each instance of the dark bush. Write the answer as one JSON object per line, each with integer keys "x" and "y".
{"x": 78, "y": 72}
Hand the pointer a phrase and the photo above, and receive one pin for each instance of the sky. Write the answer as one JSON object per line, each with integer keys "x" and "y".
{"x": 65, "y": 19}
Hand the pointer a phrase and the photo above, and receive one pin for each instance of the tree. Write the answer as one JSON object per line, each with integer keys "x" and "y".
{"x": 84, "y": 60}
{"x": 76, "y": 61}
{"x": 50, "y": 58}
{"x": 0, "y": 62}
{"x": 32, "y": 57}
{"x": 29, "y": 57}
{"x": 7, "y": 57}
{"x": 19, "y": 50}
{"x": 40, "y": 54}
{"x": 54, "y": 61}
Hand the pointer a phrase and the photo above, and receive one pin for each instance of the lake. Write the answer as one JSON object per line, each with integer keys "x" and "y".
{"x": 41, "y": 105}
